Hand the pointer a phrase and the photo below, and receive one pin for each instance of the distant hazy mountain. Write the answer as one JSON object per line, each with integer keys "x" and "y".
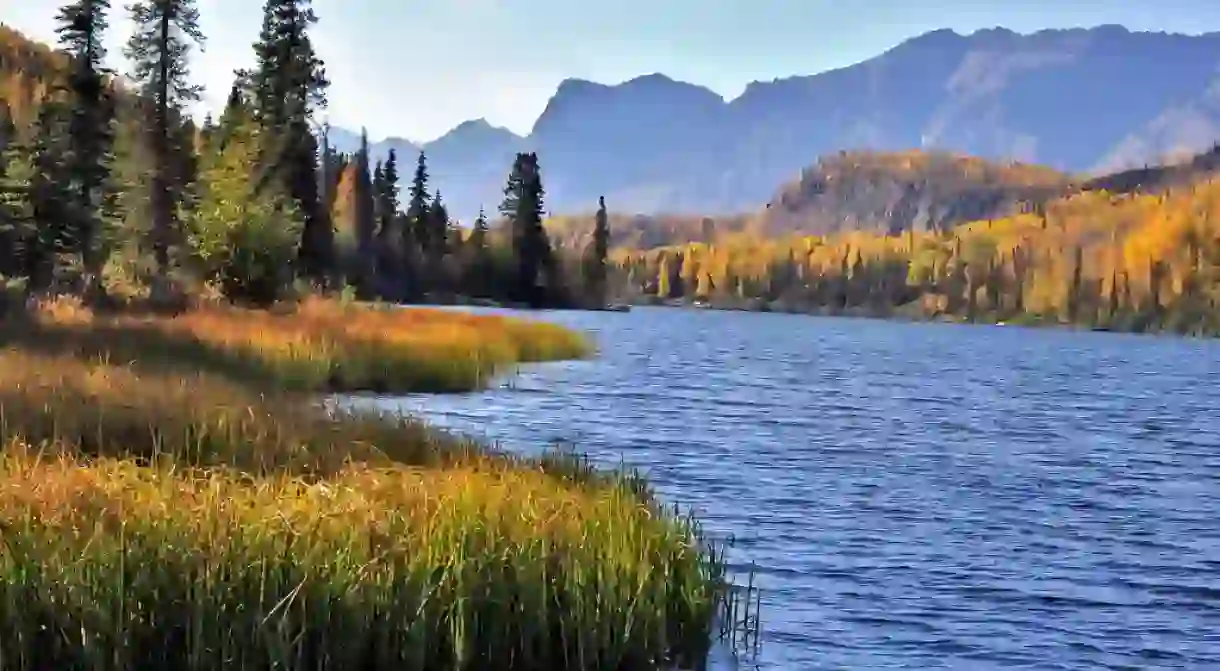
{"x": 1076, "y": 100}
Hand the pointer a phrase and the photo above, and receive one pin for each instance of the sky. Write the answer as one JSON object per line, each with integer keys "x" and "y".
{"x": 416, "y": 68}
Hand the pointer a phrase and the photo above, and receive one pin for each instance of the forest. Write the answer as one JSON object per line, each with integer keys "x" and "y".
{"x": 1136, "y": 251}
{"x": 111, "y": 190}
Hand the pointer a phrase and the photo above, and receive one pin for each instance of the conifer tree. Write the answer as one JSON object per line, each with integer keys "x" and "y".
{"x": 160, "y": 51}
{"x": 82, "y": 25}
{"x": 378, "y": 189}
{"x": 438, "y": 227}
{"x": 417, "y": 209}
{"x": 596, "y": 255}
{"x": 46, "y": 238}
{"x": 478, "y": 255}
{"x": 523, "y": 206}
{"x": 365, "y": 220}
{"x": 387, "y": 195}
{"x": 289, "y": 86}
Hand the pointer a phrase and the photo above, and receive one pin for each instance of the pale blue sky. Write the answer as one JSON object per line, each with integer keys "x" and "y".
{"x": 415, "y": 68}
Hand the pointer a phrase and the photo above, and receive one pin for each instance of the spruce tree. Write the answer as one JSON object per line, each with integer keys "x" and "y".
{"x": 387, "y": 195}
{"x": 365, "y": 220}
{"x": 438, "y": 227}
{"x": 160, "y": 51}
{"x": 45, "y": 238}
{"x": 478, "y": 235}
{"x": 417, "y": 208}
{"x": 378, "y": 192}
{"x": 595, "y": 256}
{"x": 478, "y": 254}
{"x": 82, "y": 25}
{"x": 289, "y": 86}
{"x": 523, "y": 207}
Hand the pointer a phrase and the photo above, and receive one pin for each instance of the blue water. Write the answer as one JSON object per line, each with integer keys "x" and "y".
{"x": 914, "y": 496}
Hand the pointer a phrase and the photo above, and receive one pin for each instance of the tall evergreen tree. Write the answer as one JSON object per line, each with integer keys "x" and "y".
{"x": 365, "y": 219}
{"x": 595, "y": 256}
{"x": 289, "y": 87}
{"x": 46, "y": 238}
{"x": 378, "y": 189}
{"x": 438, "y": 264}
{"x": 478, "y": 254}
{"x": 387, "y": 195}
{"x": 523, "y": 207}
{"x": 82, "y": 25}
{"x": 160, "y": 51}
{"x": 417, "y": 208}
{"x": 478, "y": 234}
{"x": 326, "y": 174}
{"x": 438, "y": 227}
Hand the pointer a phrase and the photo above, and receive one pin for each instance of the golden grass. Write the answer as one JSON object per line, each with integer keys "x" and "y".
{"x": 317, "y": 346}
{"x": 155, "y": 517}
{"x": 113, "y": 565}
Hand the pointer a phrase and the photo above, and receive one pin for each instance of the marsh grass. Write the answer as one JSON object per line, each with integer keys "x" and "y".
{"x": 158, "y": 517}
{"x": 110, "y": 565}
{"x": 315, "y": 346}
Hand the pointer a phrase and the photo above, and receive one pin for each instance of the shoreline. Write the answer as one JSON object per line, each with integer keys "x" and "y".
{"x": 394, "y": 509}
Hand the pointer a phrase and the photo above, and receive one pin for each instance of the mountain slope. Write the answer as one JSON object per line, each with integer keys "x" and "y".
{"x": 881, "y": 193}
{"x": 1082, "y": 100}
{"x": 891, "y": 193}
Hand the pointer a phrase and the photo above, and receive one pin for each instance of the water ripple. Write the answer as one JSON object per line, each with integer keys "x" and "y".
{"x": 912, "y": 496}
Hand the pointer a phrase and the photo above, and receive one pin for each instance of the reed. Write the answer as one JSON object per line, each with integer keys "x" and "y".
{"x": 156, "y": 518}
{"x": 105, "y": 564}
{"x": 318, "y": 345}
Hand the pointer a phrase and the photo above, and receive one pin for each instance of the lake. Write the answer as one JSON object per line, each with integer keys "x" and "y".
{"x": 913, "y": 495}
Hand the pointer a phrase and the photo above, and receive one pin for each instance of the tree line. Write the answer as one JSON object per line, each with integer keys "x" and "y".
{"x": 109, "y": 187}
{"x": 1134, "y": 261}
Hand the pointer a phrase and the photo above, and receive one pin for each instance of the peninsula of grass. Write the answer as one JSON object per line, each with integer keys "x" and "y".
{"x": 157, "y": 518}
{"x": 314, "y": 346}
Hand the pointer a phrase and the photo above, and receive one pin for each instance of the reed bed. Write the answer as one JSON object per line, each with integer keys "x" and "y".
{"x": 317, "y": 345}
{"x": 152, "y": 518}
{"x": 111, "y": 565}
{"x": 97, "y": 408}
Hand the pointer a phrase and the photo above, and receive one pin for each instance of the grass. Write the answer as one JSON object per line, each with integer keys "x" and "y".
{"x": 317, "y": 346}
{"x": 112, "y": 565}
{"x": 155, "y": 518}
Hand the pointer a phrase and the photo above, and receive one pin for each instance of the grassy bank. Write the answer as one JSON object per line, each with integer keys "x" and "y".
{"x": 315, "y": 346}
{"x": 108, "y": 564}
{"x": 155, "y": 518}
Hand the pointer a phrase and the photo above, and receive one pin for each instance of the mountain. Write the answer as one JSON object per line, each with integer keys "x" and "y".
{"x": 469, "y": 165}
{"x": 1080, "y": 100}
{"x": 914, "y": 190}
{"x": 879, "y": 193}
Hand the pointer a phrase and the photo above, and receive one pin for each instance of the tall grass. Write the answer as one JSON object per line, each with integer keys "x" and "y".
{"x": 155, "y": 517}
{"x": 316, "y": 346}
{"x": 110, "y": 565}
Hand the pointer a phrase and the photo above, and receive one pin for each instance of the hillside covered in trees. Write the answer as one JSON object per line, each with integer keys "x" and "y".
{"x": 1144, "y": 256}
{"x": 854, "y": 191}
{"x": 110, "y": 189}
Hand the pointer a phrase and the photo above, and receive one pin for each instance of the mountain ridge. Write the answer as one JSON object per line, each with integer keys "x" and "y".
{"x": 1081, "y": 100}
